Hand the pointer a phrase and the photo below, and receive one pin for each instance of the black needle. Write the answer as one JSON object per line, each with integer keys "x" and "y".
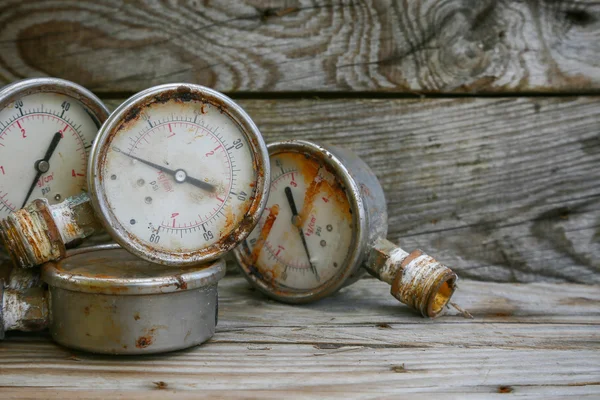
{"x": 42, "y": 166}
{"x": 292, "y": 203}
{"x": 179, "y": 175}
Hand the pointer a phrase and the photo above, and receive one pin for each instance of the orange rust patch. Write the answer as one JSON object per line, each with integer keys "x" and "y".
{"x": 505, "y": 389}
{"x": 264, "y": 233}
{"x": 229, "y": 218}
{"x": 147, "y": 339}
{"x": 144, "y": 341}
{"x": 181, "y": 283}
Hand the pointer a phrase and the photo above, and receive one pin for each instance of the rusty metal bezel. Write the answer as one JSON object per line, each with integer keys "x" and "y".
{"x": 97, "y": 280}
{"x": 359, "y": 238}
{"x": 111, "y": 128}
{"x": 93, "y": 105}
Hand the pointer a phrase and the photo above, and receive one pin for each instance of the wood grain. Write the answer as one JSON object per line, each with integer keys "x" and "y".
{"x": 501, "y": 189}
{"x": 426, "y": 46}
{"x": 335, "y": 348}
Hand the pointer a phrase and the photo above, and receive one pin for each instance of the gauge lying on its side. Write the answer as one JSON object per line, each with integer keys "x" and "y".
{"x": 325, "y": 217}
{"x": 179, "y": 174}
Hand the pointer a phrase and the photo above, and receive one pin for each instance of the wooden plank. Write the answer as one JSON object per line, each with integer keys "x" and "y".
{"x": 347, "y": 359}
{"x": 456, "y": 46}
{"x": 501, "y": 189}
{"x": 368, "y": 302}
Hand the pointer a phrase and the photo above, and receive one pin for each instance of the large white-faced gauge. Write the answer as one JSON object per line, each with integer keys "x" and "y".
{"x": 179, "y": 174}
{"x": 325, "y": 218}
{"x": 47, "y": 127}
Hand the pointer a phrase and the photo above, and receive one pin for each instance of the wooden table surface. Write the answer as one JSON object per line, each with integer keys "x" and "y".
{"x": 536, "y": 339}
{"x": 481, "y": 120}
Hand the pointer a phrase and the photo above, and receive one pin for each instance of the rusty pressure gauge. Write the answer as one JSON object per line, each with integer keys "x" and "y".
{"x": 47, "y": 127}
{"x": 325, "y": 218}
{"x": 103, "y": 299}
{"x": 178, "y": 175}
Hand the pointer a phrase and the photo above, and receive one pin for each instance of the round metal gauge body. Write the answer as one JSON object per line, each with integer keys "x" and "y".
{"x": 179, "y": 174}
{"x": 105, "y": 300}
{"x": 325, "y": 209}
{"x": 47, "y": 127}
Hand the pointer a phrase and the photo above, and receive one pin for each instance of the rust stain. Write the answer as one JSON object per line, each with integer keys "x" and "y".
{"x": 181, "y": 283}
{"x": 186, "y": 94}
{"x": 264, "y": 233}
{"x": 505, "y": 389}
{"x": 147, "y": 339}
{"x": 136, "y": 316}
{"x": 398, "y": 369}
{"x": 161, "y": 385}
{"x": 86, "y": 310}
{"x": 229, "y": 218}
{"x": 143, "y": 342}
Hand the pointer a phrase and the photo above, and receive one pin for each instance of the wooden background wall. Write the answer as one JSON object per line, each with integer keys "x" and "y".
{"x": 481, "y": 117}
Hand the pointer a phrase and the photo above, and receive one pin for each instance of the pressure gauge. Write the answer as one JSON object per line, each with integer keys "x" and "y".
{"x": 47, "y": 127}
{"x": 326, "y": 216}
{"x": 103, "y": 299}
{"x": 179, "y": 174}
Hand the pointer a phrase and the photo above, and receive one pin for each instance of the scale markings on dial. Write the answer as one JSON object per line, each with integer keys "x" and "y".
{"x": 187, "y": 169}
{"x": 45, "y": 137}
{"x": 306, "y": 230}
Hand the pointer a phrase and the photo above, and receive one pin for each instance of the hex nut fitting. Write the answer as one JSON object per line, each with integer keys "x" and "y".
{"x": 41, "y": 232}
{"x": 31, "y": 236}
{"x": 416, "y": 279}
{"x": 23, "y": 310}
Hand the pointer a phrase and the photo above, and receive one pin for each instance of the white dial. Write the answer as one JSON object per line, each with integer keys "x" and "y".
{"x": 44, "y": 144}
{"x": 304, "y": 236}
{"x": 179, "y": 177}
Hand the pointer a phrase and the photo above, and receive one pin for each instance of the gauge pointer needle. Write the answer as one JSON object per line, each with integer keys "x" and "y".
{"x": 42, "y": 166}
{"x": 179, "y": 175}
{"x": 292, "y": 203}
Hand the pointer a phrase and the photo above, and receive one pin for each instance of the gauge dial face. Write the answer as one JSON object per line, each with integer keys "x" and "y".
{"x": 304, "y": 237}
{"x": 178, "y": 178}
{"x": 44, "y": 145}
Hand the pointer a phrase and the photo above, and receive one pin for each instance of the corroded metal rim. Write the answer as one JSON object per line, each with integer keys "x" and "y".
{"x": 110, "y": 129}
{"x": 109, "y": 269}
{"x": 93, "y": 105}
{"x": 359, "y": 239}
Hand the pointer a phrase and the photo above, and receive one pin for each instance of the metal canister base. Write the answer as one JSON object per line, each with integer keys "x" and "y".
{"x": 111, "y": 302}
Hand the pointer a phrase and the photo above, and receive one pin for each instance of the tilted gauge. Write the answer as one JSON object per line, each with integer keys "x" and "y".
{"x": 326, "y": 218}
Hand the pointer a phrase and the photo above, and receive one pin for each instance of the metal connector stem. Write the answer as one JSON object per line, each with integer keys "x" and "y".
{"x": 23, "y": 310}
{"x": 416, "y": 279}
{"x": 41, "y": 232}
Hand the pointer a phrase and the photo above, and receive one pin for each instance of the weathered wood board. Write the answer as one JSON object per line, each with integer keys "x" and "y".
{"x": 528, "y": 340}
{"x": 450, "y": 46}
{"x": 501, "y": 189}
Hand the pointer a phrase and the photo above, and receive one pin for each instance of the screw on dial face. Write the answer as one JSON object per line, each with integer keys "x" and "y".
{"x": 305, "y": 234}
{"x": 44, "y": 144}
{"x": 179, "y": 178}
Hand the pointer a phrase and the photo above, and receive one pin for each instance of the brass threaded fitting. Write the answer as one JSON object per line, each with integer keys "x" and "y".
{"x": 416, "y": 279}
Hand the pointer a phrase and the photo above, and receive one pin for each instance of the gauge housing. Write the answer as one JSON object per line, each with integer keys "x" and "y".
{"x": 369, "y": 215}
{"x": 132, "y": 109}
